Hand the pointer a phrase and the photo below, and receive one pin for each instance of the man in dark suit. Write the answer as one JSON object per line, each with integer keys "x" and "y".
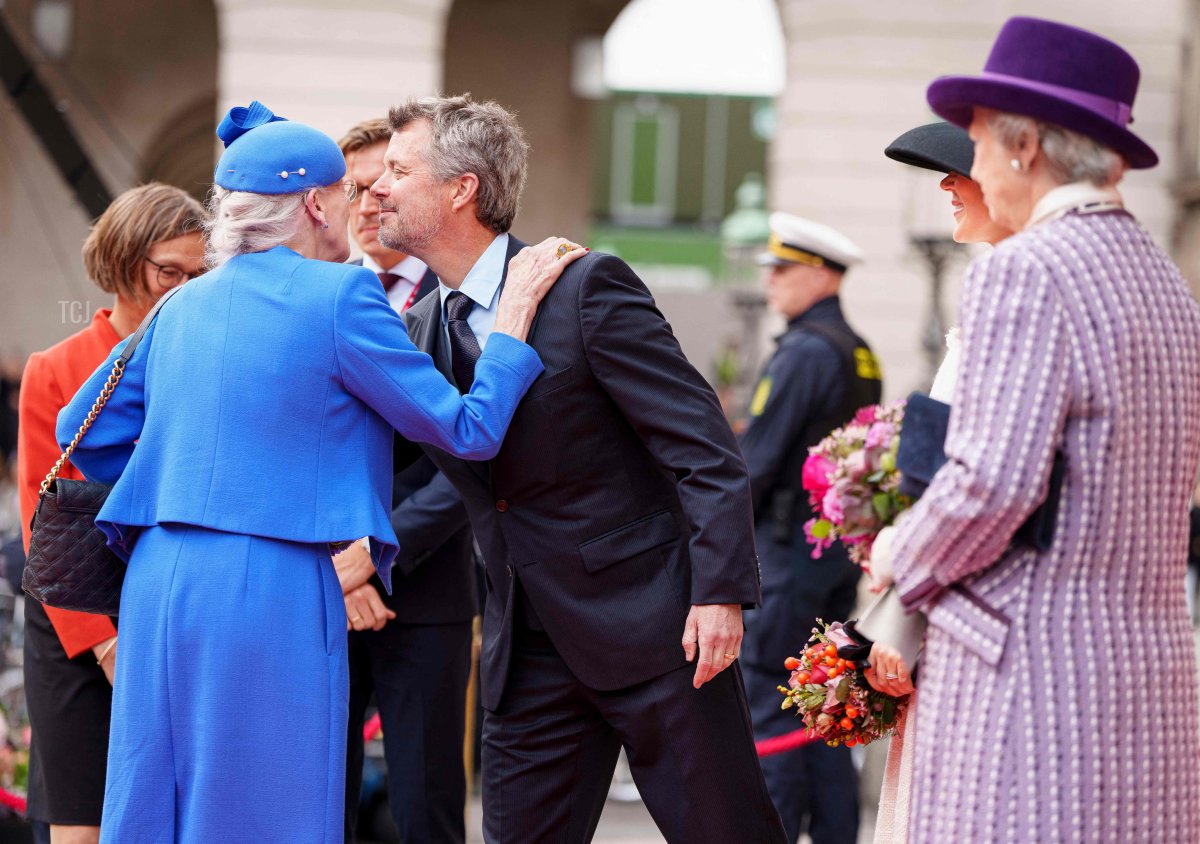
{"x": 615, "y": 522}
{"x": 410, "y": 650}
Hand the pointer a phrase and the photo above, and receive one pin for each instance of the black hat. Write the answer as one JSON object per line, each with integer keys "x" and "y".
{"x": 943, "y": 147}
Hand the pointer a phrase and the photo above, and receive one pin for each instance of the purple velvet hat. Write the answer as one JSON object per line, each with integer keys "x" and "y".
{"x": 1057, "y": 73}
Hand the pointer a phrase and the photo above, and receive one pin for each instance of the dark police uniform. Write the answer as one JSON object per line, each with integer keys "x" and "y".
{"x": 820, "y": 374}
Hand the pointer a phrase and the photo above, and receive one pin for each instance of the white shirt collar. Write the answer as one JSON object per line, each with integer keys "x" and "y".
{"x": 483, "y": 280}
{"x": 1064, "y": 198}
{"x": 410, "y": 269}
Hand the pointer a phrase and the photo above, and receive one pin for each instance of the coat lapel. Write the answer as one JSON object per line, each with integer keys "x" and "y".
{"x": 424, "y": 329}
{"x": 429, "y": 283}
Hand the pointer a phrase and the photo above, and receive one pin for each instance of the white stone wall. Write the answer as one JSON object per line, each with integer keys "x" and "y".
{"x": 857, "y": 73}
{"x": 329, "y": 64}
{"x": 44, "y": 292}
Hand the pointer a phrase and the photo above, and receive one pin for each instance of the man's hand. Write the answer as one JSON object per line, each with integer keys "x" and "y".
{"x": 353, "y": 567}
{"x": 714, "y": 631}
{"x": 106, "y": 657}
{"x": 365, "y": 610}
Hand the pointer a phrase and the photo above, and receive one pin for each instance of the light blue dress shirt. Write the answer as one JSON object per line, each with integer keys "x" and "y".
{"x": 481, "y": 286}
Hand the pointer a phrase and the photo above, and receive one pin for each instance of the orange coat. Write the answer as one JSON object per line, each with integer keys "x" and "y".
{"x": 51, "y": 379}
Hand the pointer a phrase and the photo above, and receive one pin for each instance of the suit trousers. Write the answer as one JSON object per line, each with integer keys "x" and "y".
{"x": 418, "y": 675}
{"x": 550, "y": 749}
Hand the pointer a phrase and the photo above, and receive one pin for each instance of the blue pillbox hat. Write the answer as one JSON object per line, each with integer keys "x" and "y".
{"x": 268, "y": 154}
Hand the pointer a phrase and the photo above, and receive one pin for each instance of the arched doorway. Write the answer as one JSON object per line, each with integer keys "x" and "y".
{"x": 526, "y": 56}
{"x": 182, "y": 152}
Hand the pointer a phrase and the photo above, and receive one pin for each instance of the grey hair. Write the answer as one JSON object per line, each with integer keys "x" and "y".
{"x": 242, "y": 222}
{"x": 1072, "y": 157}
{"x": 470, "y": 137}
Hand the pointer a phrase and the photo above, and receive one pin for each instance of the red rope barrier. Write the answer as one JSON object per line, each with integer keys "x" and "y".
{"x": 785, "y": 742}
{"x": 372, "y": 727}
{"x": 765, "y": 747}
{"x": 13, "y": 801}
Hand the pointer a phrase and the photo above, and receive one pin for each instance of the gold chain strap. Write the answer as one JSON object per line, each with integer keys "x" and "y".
{"x": 114, "y": 378}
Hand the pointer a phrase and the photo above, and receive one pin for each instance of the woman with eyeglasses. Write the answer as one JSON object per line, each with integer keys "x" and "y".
{"x": 262, "y": 402}
{"x": 149, "y": 240}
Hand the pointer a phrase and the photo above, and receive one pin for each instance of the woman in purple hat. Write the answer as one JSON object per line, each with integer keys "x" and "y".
{"x": 1058, "y": 697}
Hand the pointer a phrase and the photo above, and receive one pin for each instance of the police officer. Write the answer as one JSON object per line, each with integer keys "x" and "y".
{"x": 819, "y": 375}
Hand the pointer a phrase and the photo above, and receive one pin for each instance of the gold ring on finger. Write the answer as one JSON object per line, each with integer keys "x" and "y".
{"x": 731, "y": 656}
{"x": 564, "y": 248}
{"x": 356, "y": 618}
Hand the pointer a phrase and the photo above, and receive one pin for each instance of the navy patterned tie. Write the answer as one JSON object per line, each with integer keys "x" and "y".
{"x": 464, "y": 347}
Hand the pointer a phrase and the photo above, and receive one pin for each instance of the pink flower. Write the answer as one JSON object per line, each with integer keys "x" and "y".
{"x": 832, "y": 704}
{"x": 819, "y": 543}
{"x": 858, "y": 513}
{"x": 831, "y": 504}
{"x": 838, "y": 636}
{"x": 880, "y": 435}
{"x": 815, "y": 475}
{"x": 866, "y": 415}
{"x": 856, "y": 465}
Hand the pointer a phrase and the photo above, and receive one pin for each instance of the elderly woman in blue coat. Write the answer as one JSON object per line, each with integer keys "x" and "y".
{"x": 252, "y": 429}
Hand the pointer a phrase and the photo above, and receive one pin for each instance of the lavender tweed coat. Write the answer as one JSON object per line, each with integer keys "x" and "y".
{"x": 1058, "y": 690}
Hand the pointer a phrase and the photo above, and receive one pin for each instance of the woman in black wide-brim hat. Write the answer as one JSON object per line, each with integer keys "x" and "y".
{"x": 946, "y": 148}
{"x": 943, "y": 148}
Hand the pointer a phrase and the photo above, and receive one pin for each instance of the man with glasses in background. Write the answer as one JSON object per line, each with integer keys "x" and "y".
{"x": 411, "y": 650}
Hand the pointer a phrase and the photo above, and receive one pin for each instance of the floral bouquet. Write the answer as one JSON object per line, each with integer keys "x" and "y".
{"x": 852, "y": 482}
{"x": 833, "y": 697}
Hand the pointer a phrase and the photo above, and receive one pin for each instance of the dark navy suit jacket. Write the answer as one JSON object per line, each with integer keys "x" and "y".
{"x": 619, "y": 497}
{"x": 433, "y": 581}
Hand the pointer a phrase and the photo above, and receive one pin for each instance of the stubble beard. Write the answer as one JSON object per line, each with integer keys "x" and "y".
{"x": 410, "y": 236}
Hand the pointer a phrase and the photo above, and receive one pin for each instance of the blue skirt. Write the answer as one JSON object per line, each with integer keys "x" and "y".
{"x": 230, "y": 696}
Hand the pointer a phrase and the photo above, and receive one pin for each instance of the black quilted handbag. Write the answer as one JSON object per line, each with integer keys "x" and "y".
{"x": 70, "y": 565}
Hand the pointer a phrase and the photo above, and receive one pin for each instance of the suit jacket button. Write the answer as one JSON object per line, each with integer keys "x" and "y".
{"x": 502, "y": 506}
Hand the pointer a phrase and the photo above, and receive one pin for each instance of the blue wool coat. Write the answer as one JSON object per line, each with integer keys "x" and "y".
{"x": 262, "y": 402}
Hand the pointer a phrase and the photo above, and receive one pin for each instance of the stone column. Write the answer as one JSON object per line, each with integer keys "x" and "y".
{"x": 329, "y": 65}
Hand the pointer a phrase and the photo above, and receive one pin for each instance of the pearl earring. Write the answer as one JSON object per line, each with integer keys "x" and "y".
{"x": 1016, "y": 164}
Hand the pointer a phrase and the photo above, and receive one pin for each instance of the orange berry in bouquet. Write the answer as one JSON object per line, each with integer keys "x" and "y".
{"x": 836, "y": 702}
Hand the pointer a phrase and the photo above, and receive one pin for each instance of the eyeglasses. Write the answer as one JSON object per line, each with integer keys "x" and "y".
{"x": 168, "y": 277}
{"x": 351, "y": 190}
